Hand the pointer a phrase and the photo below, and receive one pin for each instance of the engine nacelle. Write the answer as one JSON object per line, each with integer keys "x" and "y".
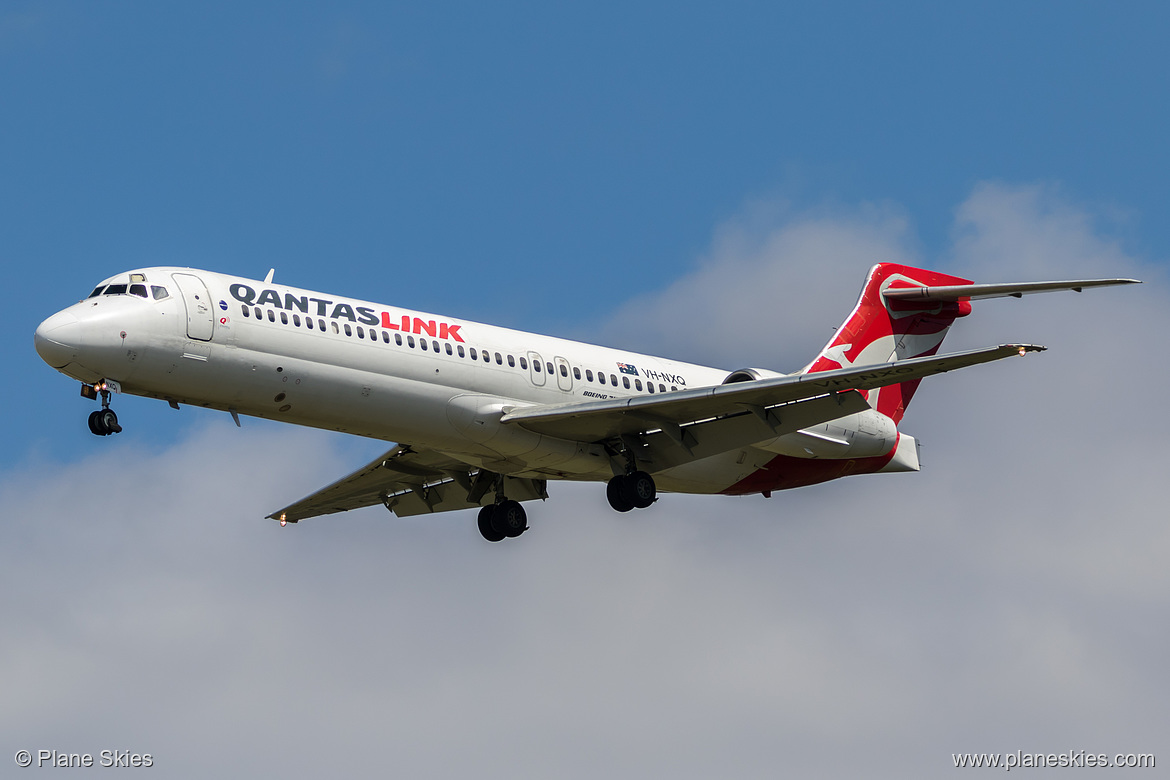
{"x": 750, "y": 375}
{"x": 863, "y": 435}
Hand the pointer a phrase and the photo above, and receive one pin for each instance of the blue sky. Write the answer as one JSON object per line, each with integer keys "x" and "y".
{"x": 710, "y": 182}
{"x": 538, "y": 165}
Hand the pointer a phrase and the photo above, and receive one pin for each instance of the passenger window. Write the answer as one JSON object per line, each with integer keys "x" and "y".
{"x": 138, "y": 289}
{"x": 271, "y": 316}
{"x": 613, "y": 381}
{"x": 448, "y": 347}
{"x": 661, "y": 388}
{"x": 361, "y": 332}
{"x": 499, "y": 359}
{"x": 564, "y": 370}
{"x": 511, "y": 361}
{"x": 536, "y": 365}
{"x": 601, "y": 377}
{"x": 576, "y": 373}
{"x": 588, "y": 375}
{"x": 474, "y": 356}
{"x": 159, "y": 292}
{"x": 673, "y": 389}
{"x": 259, "y": 314}
{"x": 284, "y": 318}
{"x": 297, "y": 320}
{"x": 410, "y": 341}
{"x": 398, "y": 339}
{"x": 386, "y": 336}
{"x": 423, "y": 344}
{"x": 247, "y": 312}
{"x": 637, "y": 384}
{"x": 115, "y": 289}
{"x": 549, "y": 367}
{"x": 524, "y": 363}
{"x": 460, "y": 349}
{"x": 336, "y": 330}
{"x": 348, "y": 331}
{"x": 309, "y": 323}
{"x": 435, "y": 344}
{"x": 96, "y": 291}
{"x": 650, "y": 386}
{"x": 321, "y": 325}
{"x": 626, "y": 382}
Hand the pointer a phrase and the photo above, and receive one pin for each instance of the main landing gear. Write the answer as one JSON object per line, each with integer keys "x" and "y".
{"x": 635, "y": 490}
{"x": 503, "y": 520}
{"x": 103, "y": 422}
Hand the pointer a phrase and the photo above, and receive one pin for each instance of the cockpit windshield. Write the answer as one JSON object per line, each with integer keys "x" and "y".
{"x": 137, "y": 290}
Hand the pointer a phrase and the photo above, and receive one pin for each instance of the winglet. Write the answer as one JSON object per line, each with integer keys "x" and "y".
{"x": 271, "y": 273}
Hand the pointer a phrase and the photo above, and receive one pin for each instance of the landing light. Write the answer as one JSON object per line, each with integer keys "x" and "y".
{"x": 283, "y": 522}
{"x": 1023, "y": 351}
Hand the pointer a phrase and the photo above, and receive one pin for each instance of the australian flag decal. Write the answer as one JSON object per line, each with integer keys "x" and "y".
{"x": 628, "y": 368}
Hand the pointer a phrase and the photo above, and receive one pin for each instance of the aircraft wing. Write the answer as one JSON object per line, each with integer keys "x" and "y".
{"x": 408, "y": 482}
{"x": 598, "y": 420}
{"x": 716, "y": 419}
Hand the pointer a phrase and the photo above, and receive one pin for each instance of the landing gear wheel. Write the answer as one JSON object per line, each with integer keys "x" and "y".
{"x": 641, "y": 489}
{"x": 486, "y": 528}
{"x": 619, "y": 497}
{"x": 93, "y": 424}
{"x": 107, "y": 421}
{"x": 510, "y": 519}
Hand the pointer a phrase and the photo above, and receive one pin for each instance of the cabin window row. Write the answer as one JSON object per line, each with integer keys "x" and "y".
{"x": 458, "y": 349}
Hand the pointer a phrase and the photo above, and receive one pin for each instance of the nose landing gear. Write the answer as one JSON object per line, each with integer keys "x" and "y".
{"x": 103, "y": 422}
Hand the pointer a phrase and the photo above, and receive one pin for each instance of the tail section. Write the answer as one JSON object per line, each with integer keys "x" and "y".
{"x": 881, "y": 329}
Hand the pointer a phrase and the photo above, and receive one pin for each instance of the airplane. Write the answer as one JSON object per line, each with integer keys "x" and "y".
{"x": 483, "y": 417}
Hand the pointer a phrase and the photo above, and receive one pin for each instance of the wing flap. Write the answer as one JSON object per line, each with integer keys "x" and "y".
{"x": 597, "y": 420}
{"x": 712, "y": 437}
{"x": 408, "y": 482}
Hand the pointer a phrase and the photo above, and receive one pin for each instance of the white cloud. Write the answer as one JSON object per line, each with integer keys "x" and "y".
{"x": 1012, "y": 595}
{"x": 770, "y": 289}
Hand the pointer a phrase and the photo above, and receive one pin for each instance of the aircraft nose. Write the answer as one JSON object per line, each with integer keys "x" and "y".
{"x": 58, "y": 339}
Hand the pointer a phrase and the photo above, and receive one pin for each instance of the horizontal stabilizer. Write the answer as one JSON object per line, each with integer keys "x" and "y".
{"x": 955, "y": 292}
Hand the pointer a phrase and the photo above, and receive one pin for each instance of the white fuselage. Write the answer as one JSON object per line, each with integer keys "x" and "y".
{"x": 266, "y": 350}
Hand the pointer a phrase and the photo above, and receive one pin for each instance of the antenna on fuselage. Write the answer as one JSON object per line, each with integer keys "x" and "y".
{"x": 268, "y": 279}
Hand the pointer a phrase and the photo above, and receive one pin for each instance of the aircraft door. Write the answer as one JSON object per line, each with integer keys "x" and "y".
{"x": 536, "y": 369}
{"x": 564, "y": 377}
{"x": 200, "y": 312}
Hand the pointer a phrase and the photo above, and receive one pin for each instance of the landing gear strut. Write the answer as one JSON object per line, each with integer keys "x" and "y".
{"x": 103, "y": 422}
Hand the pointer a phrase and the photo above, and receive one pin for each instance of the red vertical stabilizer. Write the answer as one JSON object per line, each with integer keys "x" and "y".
{"x": 881, "y": 331}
